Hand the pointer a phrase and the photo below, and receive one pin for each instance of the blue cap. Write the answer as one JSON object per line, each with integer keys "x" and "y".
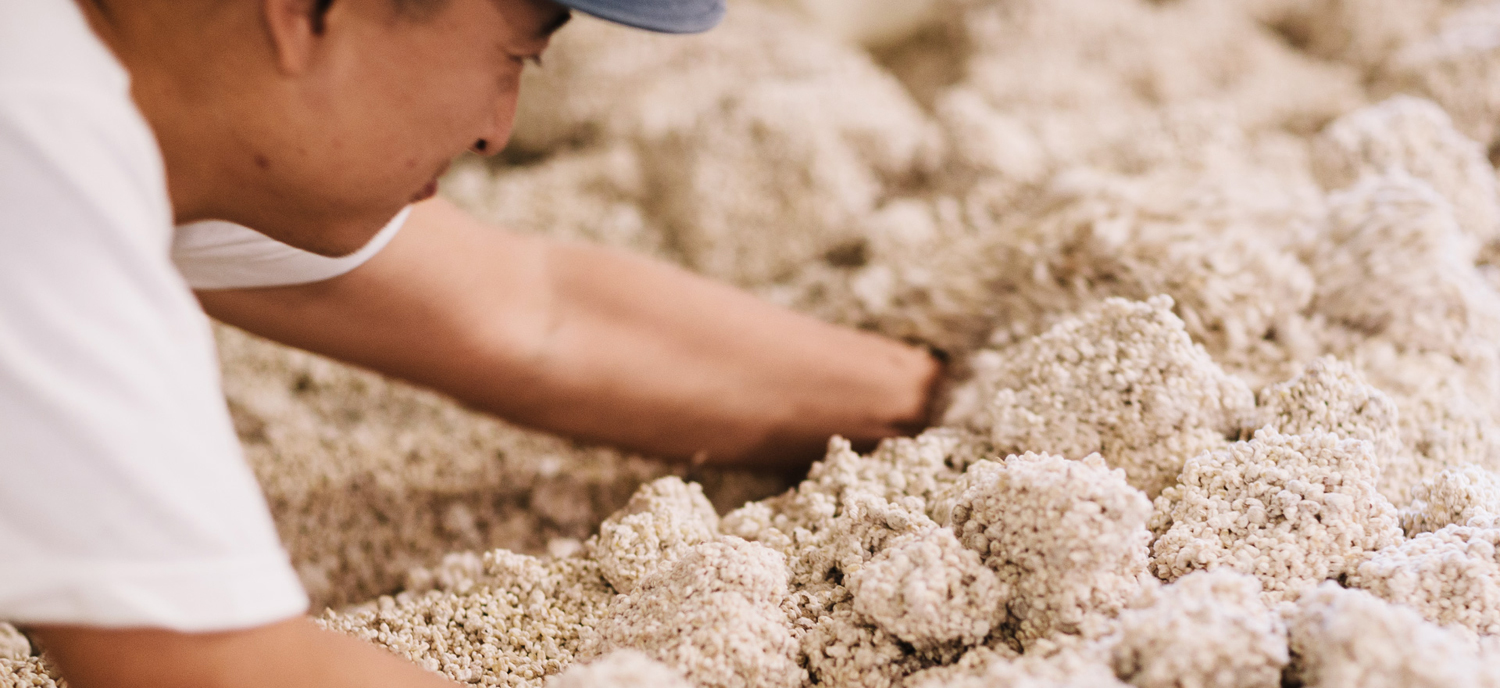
{"x": 666, "y": 16}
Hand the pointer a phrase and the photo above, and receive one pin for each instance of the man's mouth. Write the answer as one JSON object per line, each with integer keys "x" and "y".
{"x": 427, "y": 192}
{"x": 431, "y": 188}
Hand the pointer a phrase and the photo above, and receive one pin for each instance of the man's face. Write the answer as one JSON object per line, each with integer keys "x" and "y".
{"x": 386, "y": 100}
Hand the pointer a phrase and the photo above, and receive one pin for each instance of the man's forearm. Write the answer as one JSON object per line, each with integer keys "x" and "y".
{"x": 597, "y": 343}
{"x": 289, "y": 654}
{"x": 696, "y": 366}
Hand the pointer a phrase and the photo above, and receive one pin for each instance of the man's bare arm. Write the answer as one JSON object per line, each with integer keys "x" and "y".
{"x": 289, "y": 654}
{"x": 598, "y": 344}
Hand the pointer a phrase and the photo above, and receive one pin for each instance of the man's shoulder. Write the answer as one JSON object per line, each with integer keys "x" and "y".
{"x": 48, "y": 44}
{"x": 69, "y": 131}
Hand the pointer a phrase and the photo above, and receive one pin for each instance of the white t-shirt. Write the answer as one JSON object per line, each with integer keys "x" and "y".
{"x": 224, "y": 255}
{"x": 124, "y": 497}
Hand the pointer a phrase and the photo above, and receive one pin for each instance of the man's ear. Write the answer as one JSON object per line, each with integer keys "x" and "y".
{"x": 295, "y": 27}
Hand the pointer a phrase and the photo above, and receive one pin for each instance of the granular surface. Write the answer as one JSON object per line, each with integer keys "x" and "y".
{"x": 1218, "y": 279}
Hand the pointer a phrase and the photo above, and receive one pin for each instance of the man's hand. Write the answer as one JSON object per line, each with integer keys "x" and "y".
{"x": 598, "y": 344}
{"x": 289, "y": 654}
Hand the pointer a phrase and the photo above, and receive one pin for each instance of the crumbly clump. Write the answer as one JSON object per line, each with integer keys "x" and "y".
{"x": 619, "y": 669}
{"x": 1417, "y": 136}
{"x": 1207, "y": 629}
{"x": 1291, "y": 510}
{"x": 1451, "y": 577}
{"x": 1395, "y": 230}
{"x": 1067, "y": 538}
{"x": 734, "y": 133}
{"x": 1112, "y": 64}
{"x": 662, "y": 520}
{"x": 840, "y": 518}
{"x": 1352, "y": 639}
{"x": 500, "y": 619}
{"x": 843, "y": 649}
{"x": 715, "y": 614}
{"x": 1363, "y": 33}
{"x": 1330, "y": 396}
{"x": 1457, "y": 67}
{"x": 1124, "y": 381}
{"x": 1426, "y": 335}
{"x": 1459, "y": 496}
{"x": 860, "y": 527}
{"x": 1213, "y": 235}
{"x": 967, "y": 668}
{"x": 928, "y": 590}
{"x": 839, "y": 522}
{"x": 1070, "y": 663}
{"x": 1444, "y": 413}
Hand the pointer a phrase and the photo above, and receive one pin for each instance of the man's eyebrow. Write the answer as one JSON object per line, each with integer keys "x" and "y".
{"x": 557, "y": 22}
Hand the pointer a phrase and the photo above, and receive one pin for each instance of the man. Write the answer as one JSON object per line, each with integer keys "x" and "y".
{"x": 133, "y": 540}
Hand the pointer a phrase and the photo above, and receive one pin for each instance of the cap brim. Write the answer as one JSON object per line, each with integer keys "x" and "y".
{"x": 665, "y": 16}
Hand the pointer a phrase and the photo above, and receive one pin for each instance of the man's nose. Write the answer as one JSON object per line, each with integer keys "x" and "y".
{"x": 493, "y": 137}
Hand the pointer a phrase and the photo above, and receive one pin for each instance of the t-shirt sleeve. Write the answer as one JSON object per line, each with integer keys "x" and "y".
{"x": 124, "y": 497}
{"x": 224, "y": 255}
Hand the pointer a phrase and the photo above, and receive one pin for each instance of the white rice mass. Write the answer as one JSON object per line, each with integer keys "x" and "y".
{"x": 1219, "y": 283}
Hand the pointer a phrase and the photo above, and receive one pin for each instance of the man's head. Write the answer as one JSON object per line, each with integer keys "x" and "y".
{"x": 315, "y": 121}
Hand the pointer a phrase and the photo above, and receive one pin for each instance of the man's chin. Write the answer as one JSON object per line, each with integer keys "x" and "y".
{"x": 332, "y": 240}
{"x": 328, "y": 231}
